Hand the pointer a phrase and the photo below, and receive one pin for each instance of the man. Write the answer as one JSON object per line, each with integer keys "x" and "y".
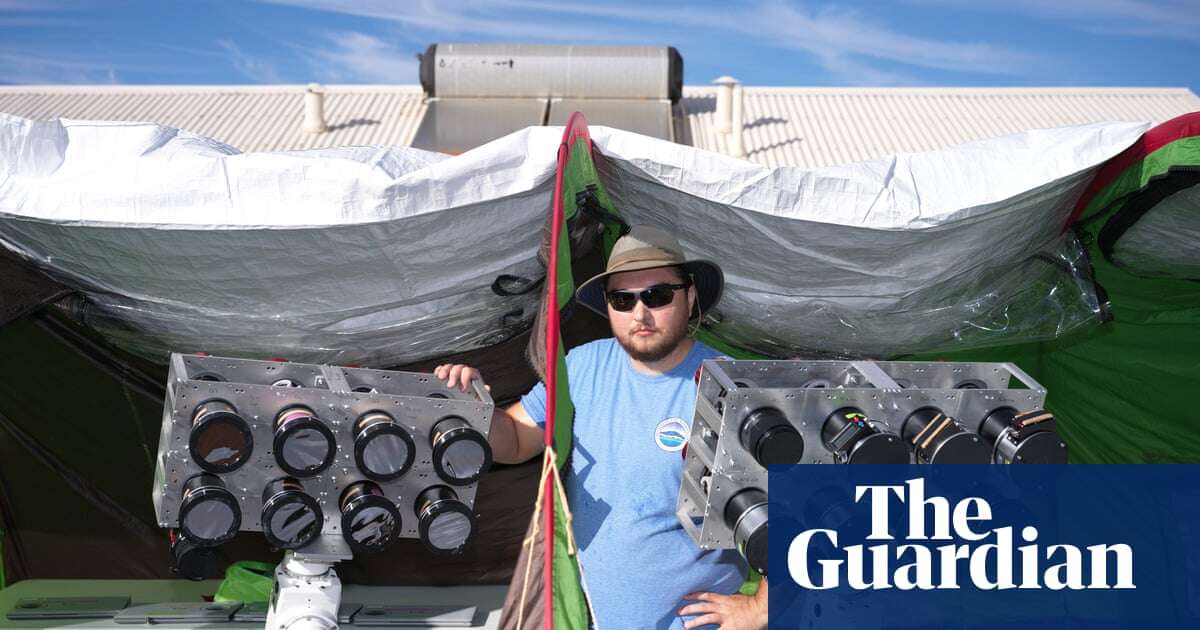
{"x": 634, "y": 396}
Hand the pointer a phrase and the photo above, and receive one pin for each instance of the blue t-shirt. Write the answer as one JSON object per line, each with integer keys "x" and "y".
{"x": 630, "y": 429}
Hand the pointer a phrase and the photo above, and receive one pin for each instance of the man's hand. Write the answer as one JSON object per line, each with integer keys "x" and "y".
{"x": 514, "y": 436}
{"x": 728, "y": 612}
{"x": 459, "y": 375}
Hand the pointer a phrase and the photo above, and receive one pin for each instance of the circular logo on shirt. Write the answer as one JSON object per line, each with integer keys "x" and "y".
{"x": 671, "y": 434}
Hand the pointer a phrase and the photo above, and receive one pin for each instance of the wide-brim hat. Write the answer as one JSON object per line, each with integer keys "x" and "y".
{"x": 646, "y": 247}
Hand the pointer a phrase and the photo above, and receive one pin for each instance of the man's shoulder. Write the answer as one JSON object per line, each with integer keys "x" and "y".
{"x": 703, "y": 352}
{"x": 591, "y": 352}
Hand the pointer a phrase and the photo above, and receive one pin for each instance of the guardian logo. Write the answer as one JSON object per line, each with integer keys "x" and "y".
{"x": 956, "y": 549}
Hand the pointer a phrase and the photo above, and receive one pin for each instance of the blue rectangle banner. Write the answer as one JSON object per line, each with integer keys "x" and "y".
{"x": 1073, "y": 546}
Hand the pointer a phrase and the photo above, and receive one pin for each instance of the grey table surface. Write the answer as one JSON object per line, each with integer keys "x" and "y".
{"x": 488, "y": 599}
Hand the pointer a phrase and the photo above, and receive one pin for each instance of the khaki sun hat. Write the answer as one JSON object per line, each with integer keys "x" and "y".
{"x": 647, "y": 247}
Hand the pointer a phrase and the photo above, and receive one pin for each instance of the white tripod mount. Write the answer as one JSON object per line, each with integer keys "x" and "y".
{"x": 307, "y": 590}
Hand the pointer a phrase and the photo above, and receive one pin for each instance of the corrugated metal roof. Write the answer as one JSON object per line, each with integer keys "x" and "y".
{"x": 251, "y": 118}
{"x": 784, "y": 126}
{"x": 823, "y": 126}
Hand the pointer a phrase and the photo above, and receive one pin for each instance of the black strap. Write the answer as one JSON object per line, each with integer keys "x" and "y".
{"x": 587, "y": 201}
{"x": 24, "y": 288}
{"x": 508, "y": 285}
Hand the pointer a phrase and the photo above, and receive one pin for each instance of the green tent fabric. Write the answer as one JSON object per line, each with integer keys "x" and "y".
{"x": 575, "y": 169}
{"x": 1124, "y": 391}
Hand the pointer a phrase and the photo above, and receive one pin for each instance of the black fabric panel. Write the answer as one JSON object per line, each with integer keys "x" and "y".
{"x": 12, "y": 560}
{"x": 23, "y": 289}
{"x": 98, "y": 501}
{"x": 78, "y": 439}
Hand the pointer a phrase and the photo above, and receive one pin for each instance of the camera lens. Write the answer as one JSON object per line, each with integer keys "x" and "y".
{"x": 444, "y": 523}
{"x": 383, "y": 449}
{"x": 770, "y": 438}
{"x": 746, "y": 515}
{"x": 853, "y": 439}
{"x": 370, "y": 522}
{"x": 304, "y": 446}
{"x": 208, "y": 513}
{"x": 1023, "y": 438}
{"x": 220, "y": 440}
{"x": 939, "y": 439}
{"x": 460, "y": 453}
{"x": 291, "y": 518}
{"x": 193, "y": 561}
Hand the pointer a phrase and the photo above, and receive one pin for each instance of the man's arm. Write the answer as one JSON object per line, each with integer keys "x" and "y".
{"x": 514, "y": 436}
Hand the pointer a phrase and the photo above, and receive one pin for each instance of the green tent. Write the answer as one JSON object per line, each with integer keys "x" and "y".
{"x": 79, "y": 417}
{"x": 1123, "y": 391}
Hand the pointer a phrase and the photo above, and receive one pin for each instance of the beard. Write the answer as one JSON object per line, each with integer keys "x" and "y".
{"x": 655, "y": 347}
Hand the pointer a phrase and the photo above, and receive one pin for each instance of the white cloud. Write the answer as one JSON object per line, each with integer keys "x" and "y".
{"x": 842, "y": 41}
{"x": 26, "y": 13}
{"x": 848, "y": 44}
{"x": 353, "y": 57}
{"x": 462, "y": 18}
{"x": 33, "y": 5}
{"x": 1162, "y": 19}
{"x": 24, "y": 68}
{"x": 841, "y": 33}
{"x": 252, "y": 67}
{"x": 851, "y": 72}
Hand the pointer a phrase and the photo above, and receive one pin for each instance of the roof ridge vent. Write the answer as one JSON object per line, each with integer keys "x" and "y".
{"x": 314, "y": 109}
{"x": 730, "y": 102}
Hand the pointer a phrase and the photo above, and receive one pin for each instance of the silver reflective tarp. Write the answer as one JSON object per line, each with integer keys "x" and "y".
{"x": 376, "y": 255}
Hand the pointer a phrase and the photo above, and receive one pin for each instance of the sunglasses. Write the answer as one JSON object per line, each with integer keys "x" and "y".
{"x": 656, "y": 296}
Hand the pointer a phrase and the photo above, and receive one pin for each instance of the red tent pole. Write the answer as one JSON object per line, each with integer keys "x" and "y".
{"x": 576, "y": 129}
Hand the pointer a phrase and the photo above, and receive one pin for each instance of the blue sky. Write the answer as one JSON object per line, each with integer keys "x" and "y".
{"x": 761, "y": 42}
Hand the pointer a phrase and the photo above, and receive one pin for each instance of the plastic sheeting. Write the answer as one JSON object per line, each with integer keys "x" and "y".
{"x": 381, "y": 256}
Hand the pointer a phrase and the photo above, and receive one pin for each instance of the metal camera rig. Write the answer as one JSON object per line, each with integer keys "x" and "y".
{"x": 326, "y": 461}
{"x": 751, "y": 414}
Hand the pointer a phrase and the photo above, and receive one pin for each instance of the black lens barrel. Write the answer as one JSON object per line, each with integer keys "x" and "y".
{"x": 461, "y": 454}
{"x": 209, "y": 514}
{"x": 939, "y": 439}
{"x": 370, "y": 521}
{"x": 444, "y": 523}
{"x": 746, "y": 515}
{"x": 768, "y": 435}
{"x": 220, "y": 440}
{"x": 291, "y": 518}
{"x": 854, "y": 439}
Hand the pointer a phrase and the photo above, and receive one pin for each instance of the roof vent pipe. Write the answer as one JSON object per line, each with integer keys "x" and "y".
{"x": 736, "y": 148}
{"x": 724, "y": 102}
{"x": 314, "y": 109}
